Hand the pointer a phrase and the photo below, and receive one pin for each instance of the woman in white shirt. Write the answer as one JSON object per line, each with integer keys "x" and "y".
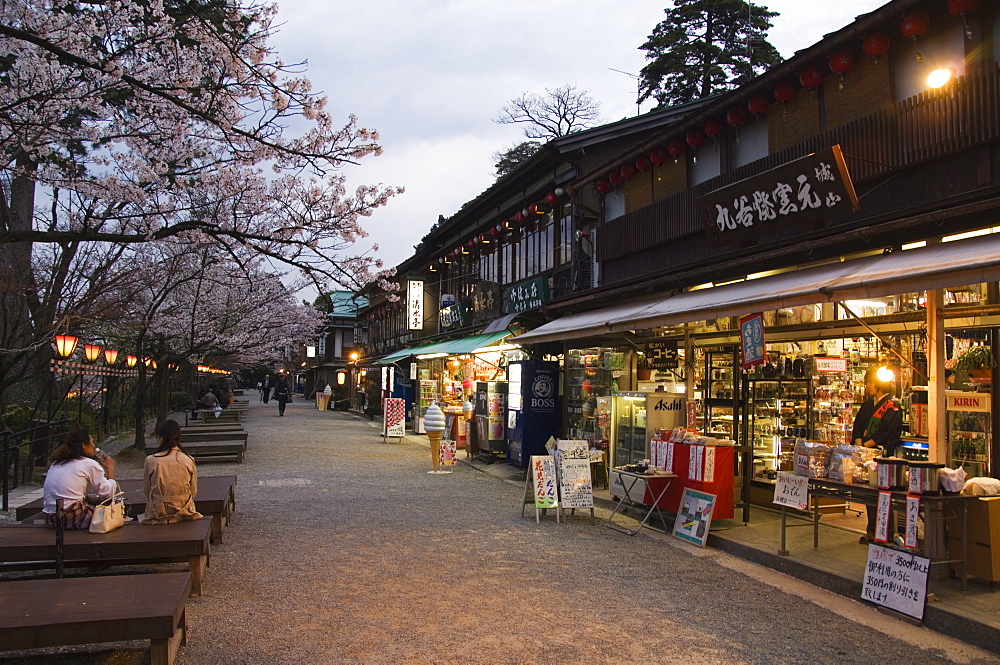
{"x": 72, "y": 474}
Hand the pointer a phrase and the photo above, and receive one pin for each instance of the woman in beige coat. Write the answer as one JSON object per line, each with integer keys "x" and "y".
{"x": 169, "y": 479}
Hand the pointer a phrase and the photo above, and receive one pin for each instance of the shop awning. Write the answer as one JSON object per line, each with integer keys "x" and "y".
{"x": 944, "y": 265}
{"x": 450, "y": 347}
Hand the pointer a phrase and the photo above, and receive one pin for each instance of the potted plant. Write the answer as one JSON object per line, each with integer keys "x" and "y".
{"x": 642, "y": 370}
{"x": 976, "y": 361}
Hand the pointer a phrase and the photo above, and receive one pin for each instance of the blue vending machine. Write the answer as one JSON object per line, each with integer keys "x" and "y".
{"x": 532, "y": 408}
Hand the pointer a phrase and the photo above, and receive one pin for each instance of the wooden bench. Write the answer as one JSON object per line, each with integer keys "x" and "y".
{"x": 207, "y": 435}
{"x": 33, "y": 547}
{"x": 216, "y": 498}
{"x": 211, "y": 451}
{"x": 208, "y": 417}
{"x": 223, "y": 427}
{"x": 35, "y": 614}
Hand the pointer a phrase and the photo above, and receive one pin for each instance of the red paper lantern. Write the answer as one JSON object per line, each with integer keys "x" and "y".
{"x": 659, "y": 156}
{"x": 532, "y": 209}
{"x": 841, "y": 62}
{"x": 811, "y": 78}
{"x": 551, "y": 198}
{"x": 959, "y": 7}
{"x": 495, "y": 232}
{"x": 628, "y": 171}
{"x": 602, "y": 186}
{"x": 875, "y": 45}
{"x": 915, "y": 24}
{"x": 714, "y": 127}
{"x": 615, "y": 178}
{"x": 784, "y": 92}
{"x": 675, "y": 148}
{"x": 519, "y": 217}
{"x": 758, "y": 104}
{"x": 643, "y": 163}
{"x": 695, "y": 138}
{"x": 736, "y": 116}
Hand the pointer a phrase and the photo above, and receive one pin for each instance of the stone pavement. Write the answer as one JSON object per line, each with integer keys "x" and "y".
{"x": 344, "y": 550}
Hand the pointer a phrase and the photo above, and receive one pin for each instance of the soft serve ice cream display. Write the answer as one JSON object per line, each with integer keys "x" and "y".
{"x": 434, "y": 423}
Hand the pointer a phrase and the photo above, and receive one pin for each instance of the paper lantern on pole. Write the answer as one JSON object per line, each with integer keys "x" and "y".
{"x": 628, "y": 171}
{"x": 643, "y": 163}
{"x": 658, "y": 157}
{"x": 66, "y": 345}
{"x": 875, "y": 45}
{"x": 552, "y": 198}
{"x": 110, "y": 356}
{"x": 841, "y": 63}
{"x": 913, "y": 25}
{"x": 602, "y": 186}
{"x": 962, "y": 8}
{"x": 811, "y": 78}
{"x": 615, "y": 178}
{"x": 676, "y": 149}
{"x": 758, "y": 104}
{"x": 92, "y": 352}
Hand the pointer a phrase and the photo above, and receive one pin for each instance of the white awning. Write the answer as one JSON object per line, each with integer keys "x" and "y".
{"x": 968, "y": 261}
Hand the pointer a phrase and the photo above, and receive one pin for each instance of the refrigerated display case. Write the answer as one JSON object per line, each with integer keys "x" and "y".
{"x": 491, "y": 416}
{"x": 428, "y": 394}
{"x": 969, "y": 435}
{"x": 635, "y": 418}
{"x": 532, "y": 408}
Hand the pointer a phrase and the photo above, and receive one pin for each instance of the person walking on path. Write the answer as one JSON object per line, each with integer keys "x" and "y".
{"x": 283, "y": 394}
{"x": 266, "y": 392}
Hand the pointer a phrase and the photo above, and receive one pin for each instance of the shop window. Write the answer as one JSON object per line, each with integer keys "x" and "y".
{"x": 564, "y": 250}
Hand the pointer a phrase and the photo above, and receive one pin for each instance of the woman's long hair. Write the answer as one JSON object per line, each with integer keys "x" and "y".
{"x": 169, "y": 434}
{"x": 72, "y": 446}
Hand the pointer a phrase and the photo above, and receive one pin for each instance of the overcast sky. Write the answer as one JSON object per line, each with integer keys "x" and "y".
{"x": 430, "y": 75}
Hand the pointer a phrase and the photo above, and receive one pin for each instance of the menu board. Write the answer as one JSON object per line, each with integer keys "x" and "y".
{"x": 543, "y": 481}
{"x": 575, "y": 483}
{"x": 897, "y": 580}
{"x": 792, "y": 490}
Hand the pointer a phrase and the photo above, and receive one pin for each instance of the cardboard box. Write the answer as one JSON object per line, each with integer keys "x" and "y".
{"x": 984, "y": 539}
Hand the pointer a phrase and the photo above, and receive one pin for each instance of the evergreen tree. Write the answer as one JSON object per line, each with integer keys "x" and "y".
{"x": 704, "y": 47}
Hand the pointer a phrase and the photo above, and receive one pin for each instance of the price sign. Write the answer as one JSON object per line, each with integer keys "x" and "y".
{"x": 897, "y": 580}
{"x": 792, "y": 491}
{"x": 912, "y": 515}
{"x": 882, "y": 515}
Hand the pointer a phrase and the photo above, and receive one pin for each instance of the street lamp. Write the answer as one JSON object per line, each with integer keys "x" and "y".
{"x": 92, "y": 352}
{"x": 66, "y": 345}
{"x": 131, "y": 361}
{"x": 110, "y": 356}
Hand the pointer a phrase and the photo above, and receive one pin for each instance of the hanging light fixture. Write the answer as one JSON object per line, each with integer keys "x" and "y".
{"x": 131, "y": 361}
{"x": 92, "y": 352}
{"x": 913, "y": 25}
{"x": 110, "y": 356}
{"x": 875, "y": 45}
{"x": 66, "y": 345}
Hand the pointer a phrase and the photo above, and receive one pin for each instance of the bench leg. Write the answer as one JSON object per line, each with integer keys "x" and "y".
{"x": 196, "y": 564}
{"x": 216, "y": 529}
{"x": 239, "y": 457}
{"x": 164, "y": 651}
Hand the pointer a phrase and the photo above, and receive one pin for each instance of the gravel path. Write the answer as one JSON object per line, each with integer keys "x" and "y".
{"x": 344, "y": 550}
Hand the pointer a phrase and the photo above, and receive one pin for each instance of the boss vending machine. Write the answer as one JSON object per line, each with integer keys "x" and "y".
{"x": 532, "y": 408}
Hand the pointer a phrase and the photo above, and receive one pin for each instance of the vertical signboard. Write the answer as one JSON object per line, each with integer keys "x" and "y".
{"x": 543, "y": 481}
{"x": 415, "y": 304}
{"x": 395, "y": 417}
{"x": 752, "y": 340}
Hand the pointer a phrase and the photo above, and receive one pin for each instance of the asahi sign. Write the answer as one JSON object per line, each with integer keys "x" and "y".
{"x": 808, "y": 192}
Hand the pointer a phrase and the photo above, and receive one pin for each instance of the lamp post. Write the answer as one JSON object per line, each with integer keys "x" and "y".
{"x": 91, "y": 353}
{"x": 65, "y": 347}
{"x": 110, "y": 358}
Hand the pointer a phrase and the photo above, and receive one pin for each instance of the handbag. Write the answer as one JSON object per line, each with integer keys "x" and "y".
{"x": 110, "y": 513}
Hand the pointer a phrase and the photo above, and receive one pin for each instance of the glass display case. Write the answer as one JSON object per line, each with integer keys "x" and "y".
{"x": 629, "y": 434}
{"x": 969, "y": 436}
{"x": 718, "y": 394}
{"x": 589, "y": 376}
{"x": 779, "y": 412}
{"x": 428, "y": 393}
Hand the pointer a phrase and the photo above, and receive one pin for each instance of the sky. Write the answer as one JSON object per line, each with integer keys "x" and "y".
{"x": 430, "y": 75}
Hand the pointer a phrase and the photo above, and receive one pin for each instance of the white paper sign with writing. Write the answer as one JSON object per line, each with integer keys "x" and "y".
{"x": 882, "y": 515}
{"x": 912, "y": 515}
{"x": 792, "y": 491}
{"x": 708, "y": 473}
{"x": 670, "y": 456}
{"x": 897, "y": 580}
{"x": 576, "y": 484}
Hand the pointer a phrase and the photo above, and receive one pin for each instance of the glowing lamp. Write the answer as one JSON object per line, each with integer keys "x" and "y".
{"x": 341, "y": 378}
{"x": 131, "y": 361}
{"x": 110, "y": 356}
{"x": 92, "y": 352}
{"x": 66, "y": 345}
{"x": 940, "y": 77}
{"x": 885, "y": 374}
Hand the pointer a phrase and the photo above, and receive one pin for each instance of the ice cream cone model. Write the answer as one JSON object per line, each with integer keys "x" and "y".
{"x": 434, "y": 423}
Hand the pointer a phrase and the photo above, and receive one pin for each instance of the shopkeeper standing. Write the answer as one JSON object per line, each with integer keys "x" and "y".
{"x": 878, "y": 424}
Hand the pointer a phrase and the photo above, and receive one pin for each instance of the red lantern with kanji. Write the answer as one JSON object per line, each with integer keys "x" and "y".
{"x": 695, "y": 138}
{"x": 714, "y": 127}
{"x": 914, "y": 25}
{"x": 552, "y": 198}
{"x": 658, "y": 157}
{"x": 532, "y": 209}
{"x": 643, "y": 163}
{"x": 628, "y": 171}
{"x": 841, "y": 63}
{"x": 811, "y": 78}
{"x": 519, "y": 217}
{"x": 757, "y": 104}
{"x": 784, "y": 92}
{"x": 675, "y": 148}
{"x": 615, "y": 178}
{"x": 736, "y": 116}
{"x": 875, "y": 45}
{"x": 602, "y": 186}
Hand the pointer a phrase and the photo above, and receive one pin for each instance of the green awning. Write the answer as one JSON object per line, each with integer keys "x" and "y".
{"x": 451, "y": 347}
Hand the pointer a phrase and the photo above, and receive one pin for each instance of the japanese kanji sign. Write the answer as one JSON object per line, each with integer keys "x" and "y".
{"x": 815, "y": 189}
{"x": 662, "y": 354}
{"x": 792, "y": 490}
{"x": 752, "y": 340}
{"x": 395, "y": 417}
{"x": 543, "y": 481}
{"x": 415, "y": 304}
{"x": 528, "y": 294}
{"x": 897, "y": 580}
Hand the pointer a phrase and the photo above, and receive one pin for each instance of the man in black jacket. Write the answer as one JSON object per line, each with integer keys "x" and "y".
{"x": 879, "y": 424}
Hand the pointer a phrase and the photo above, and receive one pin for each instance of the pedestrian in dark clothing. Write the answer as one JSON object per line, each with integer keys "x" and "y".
{"x": 283, "y": 394}
{"x": 878, "y": 424}
{"x": 266, "y": 394}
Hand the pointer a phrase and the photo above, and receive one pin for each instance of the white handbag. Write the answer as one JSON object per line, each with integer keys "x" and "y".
{"x": 110, "y": 513}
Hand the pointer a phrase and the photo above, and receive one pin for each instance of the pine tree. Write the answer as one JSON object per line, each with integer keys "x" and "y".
{"x": 704, "y": 47}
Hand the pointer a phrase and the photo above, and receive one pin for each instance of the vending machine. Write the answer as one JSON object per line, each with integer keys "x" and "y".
{"x": 491, "y": 414}
{"x": 969, "y": 435}
{"x": 532, "y": 408}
